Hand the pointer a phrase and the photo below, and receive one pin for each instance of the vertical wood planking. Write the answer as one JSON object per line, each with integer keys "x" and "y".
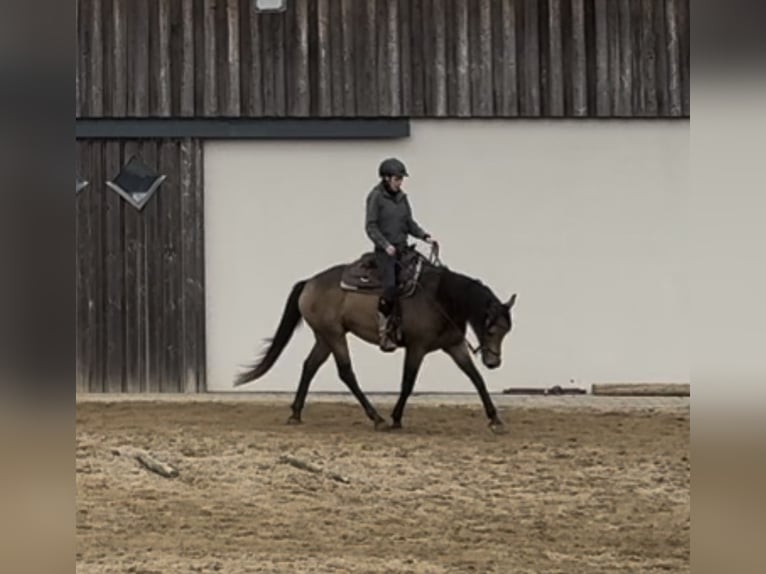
{"x": 88, "y": 332}
{"x": 405, "y": 57}
{"x": 510, "y": 98}
{"x": 381, "y": 58}
{"x": 663, "y": 97}
{"x": 255, "y": 73}
{"x": 232, "y": 108}
{"x": 474, "y": 56}
{"x": 366, "y": 84}
{"x": 417, "y": 90}
{"x": 462, "y": 64}
{"x": 625, "y": 86}
{"x": 323, "y": 58}
{"x": 425, "y": 36}
{"x": 163, "y": 79}
{"x": 438, "y": 68}
{"x": 347, "y": 32}
{"x": 530, "y": 104}
{"x": 648, "y": 59}
{"x": 198, "y": 29}
{"x": 267, "y": 61}
{"x": 635, "y": 42}
{"x": 133, "y": 281}
{"x": 555, "y": 99}
{"x": 119, "y": 91}
{"x": 154, "y": 61}
{"x": 199, "y": 284}
{"x": 579, "y": 62}
{"x": 188, "y": 256}
{"x": 300, "y": 96}
{"x": 280, "y": 71}
{"x": 115, "y": 284}
{"x": 484, "y": 102}
{"x": 673, "y": 56}
{"x": 82, "y": 274}
{"x": 336, "y": 58}
{"x": 96, "y": 302}
{"x": 96, "y": 80}
{"x": 544, "y": 53}
{"x": 107, "y": 46}
{"x": 210, "y": 84}
{"x": 138, "y": 54}
{"x": 603, "y": 96}
{"x": 684, "y": 32}
{"x": 394, "y": 59}
{"x": 221, "y": 56}
{"x": 187, "y": 58}
{"x": 170, "y": 226}
{"x": 613, "y": 18}
{"x": 450, "y": 31}
{"x": 152, "y": 248}
{"x": 80, "y": 77}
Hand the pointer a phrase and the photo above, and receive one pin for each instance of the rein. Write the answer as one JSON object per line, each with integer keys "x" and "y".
{"x": 434, "y": 260}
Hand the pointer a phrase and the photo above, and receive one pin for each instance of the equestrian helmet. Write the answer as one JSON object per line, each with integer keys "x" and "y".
{"x": 392, "y": 167}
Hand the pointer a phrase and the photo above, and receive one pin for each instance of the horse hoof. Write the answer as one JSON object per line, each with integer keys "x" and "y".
{"x": 498, "y": 427}
{"x": 382, "y": 425}
{"x": 396, "y": 425}
{"x": 293, "y": 420}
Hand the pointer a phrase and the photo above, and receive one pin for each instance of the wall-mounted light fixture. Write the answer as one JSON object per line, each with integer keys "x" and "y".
{"x": 270, "y": 5}
{"x": 136, "y": 182}
{"x": 79, "y": 185}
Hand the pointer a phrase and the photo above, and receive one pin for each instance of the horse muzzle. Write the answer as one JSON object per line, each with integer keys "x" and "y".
{"x": 491, "y": 359}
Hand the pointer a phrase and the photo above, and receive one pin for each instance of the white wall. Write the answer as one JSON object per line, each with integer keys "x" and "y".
{"x": 583, "y": 219}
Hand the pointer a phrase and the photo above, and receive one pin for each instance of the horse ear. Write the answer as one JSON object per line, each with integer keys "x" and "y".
{"x": 511, "y": 301}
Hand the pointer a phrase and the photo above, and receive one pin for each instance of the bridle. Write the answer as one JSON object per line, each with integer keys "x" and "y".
{"x": 433, "y": 259}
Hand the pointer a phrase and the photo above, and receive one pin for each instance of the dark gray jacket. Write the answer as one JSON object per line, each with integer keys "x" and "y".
{"x": 389, "y": 218}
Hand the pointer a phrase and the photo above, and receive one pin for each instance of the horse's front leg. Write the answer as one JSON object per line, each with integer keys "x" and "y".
{"x": 463, "y": 359}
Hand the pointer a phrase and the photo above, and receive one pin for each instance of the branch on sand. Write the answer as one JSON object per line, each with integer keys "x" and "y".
{"x": 156, "y": 466}
{"x": 308, "y": 467}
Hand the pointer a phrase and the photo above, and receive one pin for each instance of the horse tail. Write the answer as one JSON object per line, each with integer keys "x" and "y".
{"x": 291, "y": 317}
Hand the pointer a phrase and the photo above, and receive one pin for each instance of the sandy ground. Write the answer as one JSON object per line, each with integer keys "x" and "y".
{"x": 580, "y": 484}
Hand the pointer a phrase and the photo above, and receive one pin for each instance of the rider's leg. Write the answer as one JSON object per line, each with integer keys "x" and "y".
{"x": 387, "y": 268}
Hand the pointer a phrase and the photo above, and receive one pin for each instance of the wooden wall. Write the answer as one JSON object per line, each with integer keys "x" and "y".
{"x": 418, "y": 58}
{"x": 140, "y": 274}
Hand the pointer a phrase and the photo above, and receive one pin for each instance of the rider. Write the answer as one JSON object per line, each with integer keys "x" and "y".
{"x": 388, "y": 223}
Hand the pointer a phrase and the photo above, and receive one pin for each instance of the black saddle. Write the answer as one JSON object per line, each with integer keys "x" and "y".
{"x": 363, "y": 274}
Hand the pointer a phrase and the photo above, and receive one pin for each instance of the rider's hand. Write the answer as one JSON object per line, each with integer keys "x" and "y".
{"x": 430, "y": 240}
{"x": 391, "y": 250}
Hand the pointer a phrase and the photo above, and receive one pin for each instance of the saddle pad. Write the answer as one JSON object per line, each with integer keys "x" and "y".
{"x": 362, "y": 275}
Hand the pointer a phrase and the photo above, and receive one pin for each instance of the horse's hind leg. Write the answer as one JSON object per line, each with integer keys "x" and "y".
{"x": 316, "y": 358}
{"x": 412, "y": 361}
{"x": 339, "y": 348}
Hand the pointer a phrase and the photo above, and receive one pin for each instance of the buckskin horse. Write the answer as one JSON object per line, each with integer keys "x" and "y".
{"x": 435, "y": 307}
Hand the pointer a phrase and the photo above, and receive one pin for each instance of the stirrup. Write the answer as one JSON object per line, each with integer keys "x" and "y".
{"x": 385, "y": 341}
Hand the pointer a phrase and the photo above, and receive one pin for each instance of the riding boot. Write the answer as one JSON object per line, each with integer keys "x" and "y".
{"x": 386, "y": 343}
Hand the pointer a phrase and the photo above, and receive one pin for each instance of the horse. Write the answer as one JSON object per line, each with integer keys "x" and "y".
{"x": 432, "y": 316}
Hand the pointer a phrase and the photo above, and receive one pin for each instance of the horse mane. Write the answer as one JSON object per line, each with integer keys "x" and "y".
{"x": 465, "y": 299}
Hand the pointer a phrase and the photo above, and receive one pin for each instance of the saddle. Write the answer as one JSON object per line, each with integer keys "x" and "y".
{"x": 363, "y": 275}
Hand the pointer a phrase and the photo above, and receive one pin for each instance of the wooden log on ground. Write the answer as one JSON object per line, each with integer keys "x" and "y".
{"x": 641, "y": 389}
{"x": 308, "y": 467}
{"x": 555, "y": 390}
{"x": 156, "y": 466}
